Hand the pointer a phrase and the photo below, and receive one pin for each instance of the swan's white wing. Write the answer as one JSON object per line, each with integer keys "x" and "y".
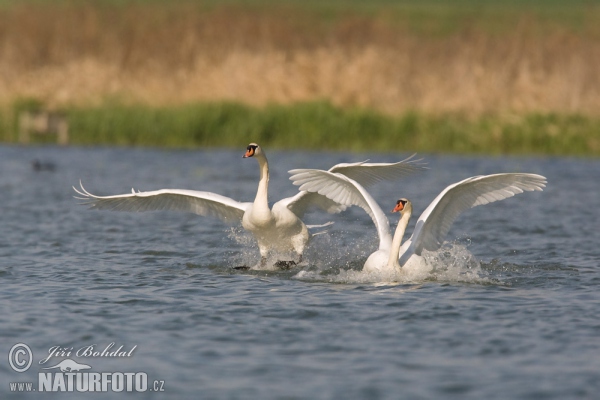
{"x": 302, "y": 201}
{"x": 436, "y": 220}
{"x": 346, "y": 191}
{"x": 201, "y": 203}
{"x": 363, "y": 173}
{"x": 367, "y": 174}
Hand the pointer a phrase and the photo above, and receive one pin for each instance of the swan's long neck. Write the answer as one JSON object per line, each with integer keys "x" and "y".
{"x": 262, "y": 194}
{"x": 398, "y": 235}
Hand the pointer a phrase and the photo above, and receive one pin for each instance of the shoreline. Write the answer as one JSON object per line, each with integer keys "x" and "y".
{"x": 323, "y": 126}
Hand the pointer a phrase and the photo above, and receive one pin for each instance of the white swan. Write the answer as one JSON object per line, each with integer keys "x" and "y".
{"x": 433, "y": 224}
{"x": 279, "y": 229}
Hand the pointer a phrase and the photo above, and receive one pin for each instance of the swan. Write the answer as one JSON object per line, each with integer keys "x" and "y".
{"x": 433, "y": 224}
{"x": 276, "y": 230}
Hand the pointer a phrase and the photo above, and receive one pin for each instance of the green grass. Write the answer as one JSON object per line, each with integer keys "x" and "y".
{"x": 322, "y": 126}
{"x": 438, "y": 17}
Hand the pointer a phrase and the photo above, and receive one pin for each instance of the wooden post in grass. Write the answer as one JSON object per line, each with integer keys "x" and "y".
{"x": 43, "y": 123}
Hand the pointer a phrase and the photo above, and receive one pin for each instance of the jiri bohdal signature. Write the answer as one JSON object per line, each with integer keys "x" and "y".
{"x": 91, "y": 350}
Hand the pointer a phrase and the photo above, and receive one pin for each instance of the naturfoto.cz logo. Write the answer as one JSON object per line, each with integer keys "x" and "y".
{"x": 69, "y": 375}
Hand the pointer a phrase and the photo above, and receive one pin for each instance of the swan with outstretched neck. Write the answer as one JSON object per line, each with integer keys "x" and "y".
{"x": 404, "y": 207}
{"x": 277, "y": 230}
{"x": 270, "y": 226}
{"x": 433, "y": 224}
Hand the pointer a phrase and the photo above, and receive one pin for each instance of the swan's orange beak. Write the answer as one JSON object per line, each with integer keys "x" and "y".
{"x": 249, "y": 152}
{"x": 399, "y": 207}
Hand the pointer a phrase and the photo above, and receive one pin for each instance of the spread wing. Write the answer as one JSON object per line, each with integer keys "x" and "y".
{"x": 344, "y": 190}
{"x": 435, "y": 222}
{"x": 301, "y": 202}
{"x": 347, "y": 182}
{"x": 367, "y": 174}
{"x": 201, "y": 203}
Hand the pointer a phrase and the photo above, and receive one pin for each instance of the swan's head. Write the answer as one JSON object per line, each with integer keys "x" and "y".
{"x": 402, "y": 206}
{"x": 253, "y": 150}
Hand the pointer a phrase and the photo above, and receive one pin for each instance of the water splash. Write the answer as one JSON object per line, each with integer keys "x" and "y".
{"x": 248, "y": 255}
{"x": 338, "y": 257}
{"x": 452, "y": 263}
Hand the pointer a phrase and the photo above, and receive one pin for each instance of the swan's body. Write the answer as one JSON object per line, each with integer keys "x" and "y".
{"x": 433, "y": 224}
{"x": 387, "y": 254}
{"x": 279, "y": 230}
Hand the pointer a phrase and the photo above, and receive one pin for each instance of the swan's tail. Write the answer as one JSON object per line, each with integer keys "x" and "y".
{"x": 310, "y": 227}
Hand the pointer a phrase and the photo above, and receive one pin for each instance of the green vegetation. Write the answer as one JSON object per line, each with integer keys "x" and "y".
{"x": 319, "y": 125}
{"x": 463, "y": 76}
{"x": 437, "y": 17}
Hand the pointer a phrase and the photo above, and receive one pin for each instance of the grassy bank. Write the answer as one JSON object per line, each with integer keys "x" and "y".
{"x": 323, "y": 126}
{"x": 480, "y": 76}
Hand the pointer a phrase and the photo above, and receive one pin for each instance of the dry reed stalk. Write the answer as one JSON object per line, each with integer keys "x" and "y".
{"x": 163, "y": 55}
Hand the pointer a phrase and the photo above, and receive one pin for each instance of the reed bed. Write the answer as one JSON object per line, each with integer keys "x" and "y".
{"x": 464, "y": 64}
{"x": 162, "y": 53}
{"x": 319, "y": 125}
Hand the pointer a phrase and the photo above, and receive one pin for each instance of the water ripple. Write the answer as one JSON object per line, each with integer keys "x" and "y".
{"x": 509, "y": 308}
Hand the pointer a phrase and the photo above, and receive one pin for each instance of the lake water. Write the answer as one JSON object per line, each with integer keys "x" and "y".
{"x": 512, "y": 310}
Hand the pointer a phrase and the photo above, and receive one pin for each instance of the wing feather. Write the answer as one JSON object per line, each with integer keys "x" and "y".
{"x": 367, "y": 174}
{"x": 345, "y": 191}
{"x": 201, "y": 203}
{"x": 301, "y": 202}
{"x": 435, "y": 222}
{"x": 339, "y": 197}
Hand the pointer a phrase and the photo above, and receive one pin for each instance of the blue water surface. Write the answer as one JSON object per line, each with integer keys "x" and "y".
{"x": 512, "y": 310}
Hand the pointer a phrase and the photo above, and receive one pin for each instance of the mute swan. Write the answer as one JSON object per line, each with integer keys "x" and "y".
{"x": 433, "y": 224}
{"x": 279, "y": 229}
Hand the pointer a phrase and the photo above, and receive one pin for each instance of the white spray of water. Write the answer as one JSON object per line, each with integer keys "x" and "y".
{"x": 452, "y": 263}
{"x": 249, "y": 254}
{"x": 338, "y": 257}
